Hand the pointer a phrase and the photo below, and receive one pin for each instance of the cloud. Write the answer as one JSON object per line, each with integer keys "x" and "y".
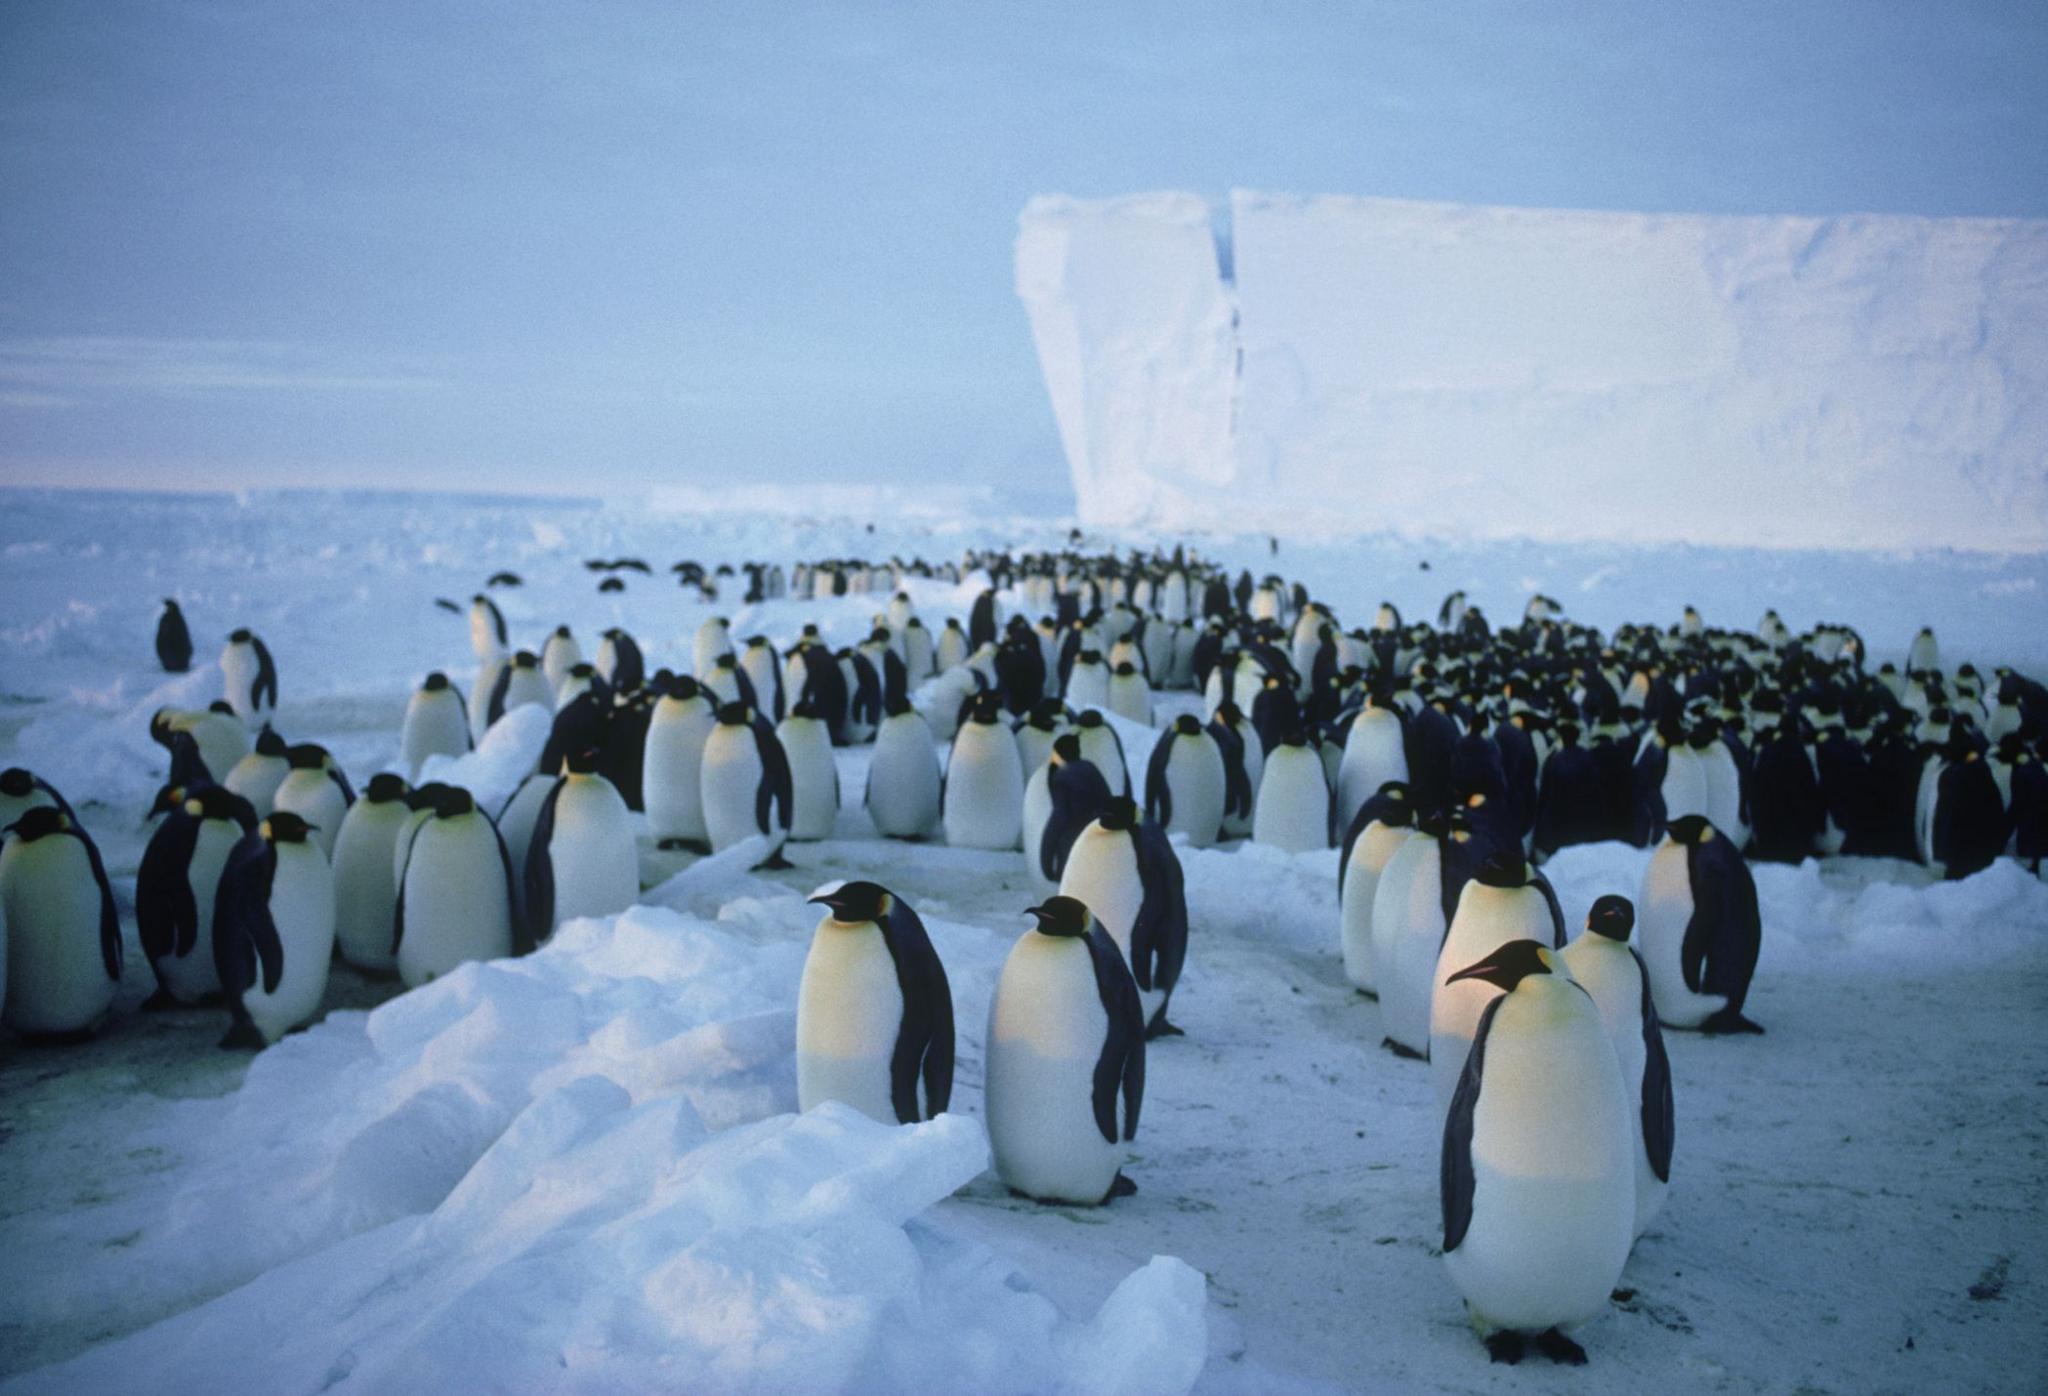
{"x": 50, "y": 369}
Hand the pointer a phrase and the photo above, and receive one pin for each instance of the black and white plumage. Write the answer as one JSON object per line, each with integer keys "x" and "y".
{"x": 874, "y": 1018}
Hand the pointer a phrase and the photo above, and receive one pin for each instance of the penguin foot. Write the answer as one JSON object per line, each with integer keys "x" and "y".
{"x": 243, "y": 1037}
{"x": 776, "y": 862}
{"x": 1506, "y": 1347}
{"x": 1121, "y": 1187}
{"x": 70, "y": 1037}
{"x": 1161, "y": 1028}
{"x": 159, "y": 1002}
{"x": 1730, "y": 1021}
{"x": 1558, "y": 1348}
{"x": 1402, "y": 1050}
{"x": 1368, "y": 994}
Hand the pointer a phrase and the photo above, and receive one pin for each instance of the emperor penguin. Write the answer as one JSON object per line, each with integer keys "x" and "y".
{"x": 436, "y": 724}
{"x": 175, "y": 887}
{"x": 1088, "y": 682}
{"x": 713, "y": 639}
{"x": 1038, "y": 730}
{"x": 273, "y": 931}
{"x": 874, "y": 1013}
{"x": 173, "y": 639}
{"x": 63, "y": 956}
{"x": 488, "y": 638}
{"x": 1701, "y": 929}
{"x": 745, "y": 779}
{"x": 1293, "y": 809}
{"x": 1065, "y": 1060}
{"x": 315, "y": 790}
{"x": 1685, "y": 789}
{"x": 1060, "y": 800}
{"x": 1126, "y": 873}
{"x": 1505, "y": 900}
{"x": 558, "y": 656}
{"x": 249, "y": 678}
{"x": 763, "y": 668}
{"x": 22, "y": 790}
{"x": 581, "y": 860}
{"x": 619, "y": 662}
{"x": 672, "y": 764}
{"x": 257, "y": 776}
{"x": 1376, "y": 833}
{"x": 520, "y": 682}
{"x": 1186, "y": 784}
{"x": 903, "y": 782}
{"x": 1968, "y": 825}
{"x": 1101, "y": 746}
{"x": 1244, "y": 761}
{"x": 1606, "y": 966}
{"x": 204, "y": 744}
{"x": 366, "y": 874}
{"x": 1375, "y": 752}
{"x": 578, "y": 680}
{"x": 983, "y": 794}
{"x": 1538, "y": 1175}
{"x": 813, "y": 774}
{"x": 1130, "y": 696}
{"x": 1925, "y": 651}
{"x": 919, "y": 658}
{"x": 1412, "y": 907}
{"x": 951, "y": 649}
{"x": 455, "y": 898}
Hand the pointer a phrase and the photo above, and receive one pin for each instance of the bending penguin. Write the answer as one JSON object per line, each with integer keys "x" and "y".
{"x": 1125, "y": 871}
{"x": 1538, "y": 1173}
{"x": 63, "y": 957}
{"x": 874, "y": 1013}
{"x": 1608, "y": 967}
{"x": 1701, "y": 929}
{"x": 175, "y": 891}
{"x": 273, "y": 931}
{"x": 1065, "y": 1060}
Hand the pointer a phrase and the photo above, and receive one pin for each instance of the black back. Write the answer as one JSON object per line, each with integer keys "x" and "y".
{"x": 1079, "y": 795}
{"x": 1159, "y": 935}
{"x": 775, "y": 796}
{"x": 1455, "y": 1175}
{"x": 246, "y": 948}
{"x": 1659, "y": 1116}
{"x": 1120, "y": 1067}
{"x": 924, "y": 1040}
{"x": 1719, "y": 952}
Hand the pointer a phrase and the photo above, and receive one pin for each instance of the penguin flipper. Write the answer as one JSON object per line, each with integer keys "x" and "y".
{"x": 1158, "y": 794}
{"x": 163, "y": 917}
{"x": 1542, "y": 884}
{"x": 265, "y": 687}
{"x": 1121, "y": 1064}
{"x": 522, "y": 934}
{"x": 540, "y": 870}
{"x": 1658, "y": 1114}
{"x": 110, "y": 918}
{"x": 1728, "y": 1020}
{"x": 1455, "y": 1177}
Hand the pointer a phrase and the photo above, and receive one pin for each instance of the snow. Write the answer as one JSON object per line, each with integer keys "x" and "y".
{"x": 582, "y": 1169}
{"x": 1854, "y": 381}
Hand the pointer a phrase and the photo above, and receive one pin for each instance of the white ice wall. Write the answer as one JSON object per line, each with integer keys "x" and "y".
{"x": 1857, "y": 381}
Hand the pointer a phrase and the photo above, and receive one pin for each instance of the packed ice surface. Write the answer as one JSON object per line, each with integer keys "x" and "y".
{"x": 580, "y": 1169}
{"x": 1851, "y": 381}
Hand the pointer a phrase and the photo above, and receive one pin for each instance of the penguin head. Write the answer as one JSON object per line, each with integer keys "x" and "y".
{"x": 1047, "y": 715}
{"x": 1613, "y": 917}
{"x": 732, "y": 715}
{"x": 726, "y": 662}
{"x": 169, "y": 604}
{"x": 757, "y": 642}
{"x": 526, "y": 659}
{"x": 221, "y": 706}
{"x": 1121, "y": 816}
{"x": 987, "y": 710}
{"x": 451, "y": 801}
{"x": 424, "y": 796}
{"x": 16, "y": 781}
{"x": 39, "y": 822}
{"x": 562, "y": 632}
{"x": 307, "y": 756}
{"x": 1187, "y": 725}
{"x": 284, "y": 827}
{"x": 269, "y": 744}
{"x": 1504, "y": 867}
{"x": 243, "y": 637}
{"x": 1066, "y": 749}
{"x": 1510, "y": 965}
{"x": 385, "y": 788}
{"x": 1229, "y": 714}
{"x": 682, "y": 688}
{"x": 1125, "y": 669}
{"x": 1062, "y": 916}
{"x": 168, "y": 798}
{"x": 435, "y": 682}
{"x": 1689, "y": 829}
{"x": 856, "y": 903}
{"x": 1090, "y": 718}
{"x": 585, "y": 762}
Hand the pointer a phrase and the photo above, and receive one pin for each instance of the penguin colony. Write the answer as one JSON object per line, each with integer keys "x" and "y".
{"x": 1445, "y": 762}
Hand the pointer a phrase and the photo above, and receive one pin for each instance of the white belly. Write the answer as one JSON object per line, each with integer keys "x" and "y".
{"x": 731, "y": 783}
{"x": 1087, "y": 687}
{"x": 1663, "y": 911}
{"x": 1373, "y": 755}
{"x": 1487, "y": 918}
{"x": 1037, "y": 814}
{"x": 1293, "y": 811}
{"x": 813, "y": 778}
{"x": 315, "y": 798}
{"x": 672, "y": 769}
{"x": 302, "y": 909}
{"x": 434, "y": 726}
{"x": 1407, "y": 913}
{"x": 984, "y": 790}
{"x": 238, "y": 670}
{"x": 456, "y": 905}
{"x": 1724, "y": 793}
{"x": 256, "y": 778}
{"x": 903, "y": 778}
{"x": 849, "y": 1013}
{"x": 1045, "y": 1034}
{"x": 365, "y": 885}
{"x": 1605, "y": 969}
{"x": 57, "y": 979}
{"x": 596, "y": 866}
{"x": 1377, "y": 843}
{"x": 1685, "y": 784}
{"x": 1194, "y": 773}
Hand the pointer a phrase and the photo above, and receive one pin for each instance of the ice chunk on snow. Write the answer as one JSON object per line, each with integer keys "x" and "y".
{"x": 507, "y": 755}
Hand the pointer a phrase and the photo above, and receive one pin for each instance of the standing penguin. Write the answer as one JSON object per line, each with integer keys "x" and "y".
{"x": 1504, "y": 901}
{"x": 1065, "y": 1060}
{"x": 713, "y": 641}
{"x": 1377, "y": 832}
{"x": 558, "y": 656}
{"x": 874, "y": 1013}
{"x": 582, "y": 860}
{"x": 455, "y": 893}
{"x": 1186, "y": 783}
{"x": 63, "y": 957}
{"x": 175, "y": 887}
{"x": 983, "y": 794}
{"x": 1101, "y": 746}
{"x": 671, "y": 772}
{"x": 436, "y": 724}
{"x": 1293, "y": 809}
{"x": 315, "y": 790}
{"x": 22, "y": 790}
{"x": 1412, "y": 907}
{"x": 173, "y": 639}
{"x": 1074, "y": 794}
{"x": 1607, "y": 967}
{"x": 1242, "y": 769}
{"x": 1125, "y": 871}
{"x": 902, "y": 794}
{"x": 257, "y": 776}
{"x": 746, "y": 783}
{"x": 520, "y": 682}
{"x": 366, "y": 874}
{"x": 1701, "y": 929}
{"x": 813, "y": 774}
{"x": 1538, "y": 1177}
{"x": 1375, "y": 752}
{"x": 250, "y": 678}
{"x": 273, "y": 931}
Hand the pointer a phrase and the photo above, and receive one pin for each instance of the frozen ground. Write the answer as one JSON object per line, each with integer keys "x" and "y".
{"x": 577, "y": 1170}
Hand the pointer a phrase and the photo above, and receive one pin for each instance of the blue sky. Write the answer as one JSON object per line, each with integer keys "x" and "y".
{"x": 588, "y": 247}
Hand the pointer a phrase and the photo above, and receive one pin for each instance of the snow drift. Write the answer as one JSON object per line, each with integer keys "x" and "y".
{"x": 1853, "y": 381}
